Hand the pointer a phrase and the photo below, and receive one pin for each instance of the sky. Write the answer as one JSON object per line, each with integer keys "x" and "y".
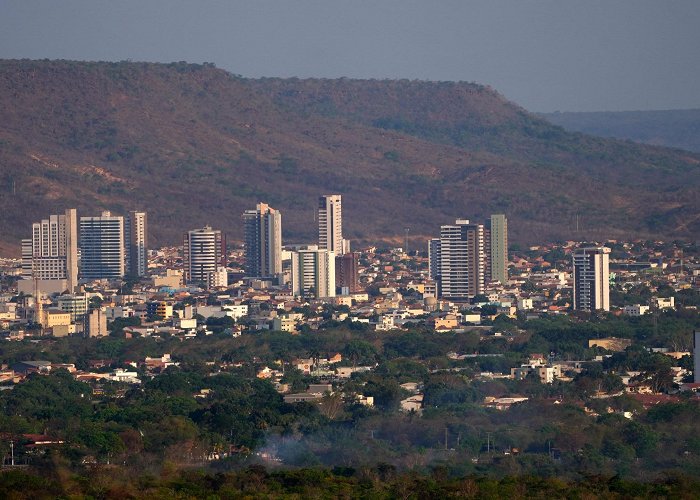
{"x": 546, "y": 55}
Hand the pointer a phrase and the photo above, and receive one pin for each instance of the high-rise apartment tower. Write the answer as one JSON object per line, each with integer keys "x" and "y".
{"x": 52, "y": 251}
{"x": 496, "y": 244}
{"x": 263, "y": 241}
{"x": 313, "y": 273}
{"x": 102, "y": 247}
{"x": 591, "y": 279}
{"x": 136, "y": 243}
{"x": 204, "y": 255}
{"x": 457, "y": 260}
{"x": 330, "y": 224}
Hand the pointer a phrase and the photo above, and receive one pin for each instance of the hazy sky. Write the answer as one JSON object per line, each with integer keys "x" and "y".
{"x": 546, "y": 55}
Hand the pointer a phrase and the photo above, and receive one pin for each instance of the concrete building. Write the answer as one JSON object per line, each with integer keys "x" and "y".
{"x": 55, "y": 317}
{"x": 263, "y": 241}
{"x": 525, "y": 304}
{"x": 313, "y": 273}
{"x": 52, "y": 251}
{"x": 591, "y": 279}
{"x": 172, "y": 279}
{"x": 635, "y": 310}
{"x": 102, "y": 253}
{"x": 330, "y": 225}
{"x": 162, "y": 309}
{"x": 96, "y": 323}
{"x": 204, "y": 254}
{"x": 457, "y": 260}
{"x": 663, "y": 302}
{"x": 346, "y": 272}
{"x": 137, "y": 243}
{"x": 284, "y": 324}
{"x": 496, "y": 243}
{"x": 75, "y": 305}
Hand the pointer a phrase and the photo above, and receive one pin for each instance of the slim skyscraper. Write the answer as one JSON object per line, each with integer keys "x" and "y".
{"x": 330, "y": 224}
{"x": 457, "y": 260}
{"x": 591, "y": 279}
{"x": 496, "y": 243}
{"x": 263, "y": 241}
{"x": 72, "y": 249}
{"x": 52, "y": 251}
{"x": 313, "y": 273}
{"x": 102, "y": 247}
{"x": 204, "y": 255}
{"x": 137, "y": 244}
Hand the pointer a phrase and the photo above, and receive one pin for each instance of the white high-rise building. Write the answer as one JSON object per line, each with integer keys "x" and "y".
{"x": 102, "y": 247}
{"x": 313, "y": 273}
{"x": 137, "y": 246}
{"x": 591, "y": 279}
{"x": 263, "y": 241}
{"x": 204, "y": 256}
{"x": 457, "y": 260}
{"x": 330, "y": 224}
{"x": 52, "y": 251}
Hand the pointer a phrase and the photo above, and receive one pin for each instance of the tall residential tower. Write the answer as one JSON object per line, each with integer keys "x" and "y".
{"x": 591, "y": 279}
{"x": 330, "y": 224}
{"x": 136, "y": 243}
{"x": 204, "y": 256}
{"x": 263, "y": 241}
{"x": 102, "y": 247}
{"x": 313, "y": 273}
{"x": 496, "y": 242}
{"x": 457, "y": 260}
{"x": 52, "y": 251}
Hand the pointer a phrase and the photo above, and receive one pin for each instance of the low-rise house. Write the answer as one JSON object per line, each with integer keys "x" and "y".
{"x": 412, "y": 403}
{"x": 27, "y": 367}
{"x": 663, "y": 302}
{"x": 610, "y": 343}
{"x": 347, "y": 371}
{"x": 315, "y": 392}
{"x": 503, "y": 403}
{"x": 446, "y": 323}
{"x": 121, "y": 375}
{"x": 635, "y": 310}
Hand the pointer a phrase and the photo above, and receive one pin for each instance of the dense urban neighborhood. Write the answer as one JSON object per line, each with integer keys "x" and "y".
{"x": 466, "y": 353}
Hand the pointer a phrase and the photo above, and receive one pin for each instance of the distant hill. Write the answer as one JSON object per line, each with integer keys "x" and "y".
{"x": 677, "y": 128}
{"x": 193, "y": 145}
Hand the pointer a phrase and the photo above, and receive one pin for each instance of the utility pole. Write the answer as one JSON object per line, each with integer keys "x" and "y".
{"x": 445, "y": 438}
{"x": 488, "y": 442}
{"x": 12, "y": 453}
{"x": 405, "y": 242}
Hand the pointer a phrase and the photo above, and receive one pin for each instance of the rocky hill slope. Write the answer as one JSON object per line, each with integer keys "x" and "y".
{"x": 195, "y": 145}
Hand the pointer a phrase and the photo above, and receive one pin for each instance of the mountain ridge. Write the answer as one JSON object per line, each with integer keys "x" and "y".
{"x": 193, "y": 145}
{"x": 673, "y": 128}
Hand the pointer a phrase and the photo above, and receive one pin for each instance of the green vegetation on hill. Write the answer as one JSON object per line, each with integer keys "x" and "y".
{"x": 193, "y": 144}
